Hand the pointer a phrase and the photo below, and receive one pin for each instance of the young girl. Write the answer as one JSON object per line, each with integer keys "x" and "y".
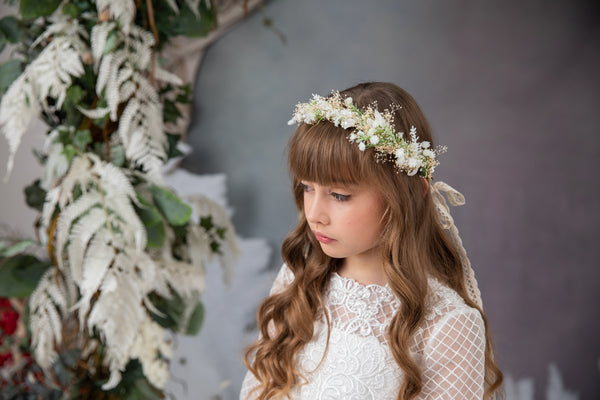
{"x": 375, "y": 300}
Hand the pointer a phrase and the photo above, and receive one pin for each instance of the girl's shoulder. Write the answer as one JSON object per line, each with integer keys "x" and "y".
{"x": 442, "y": 299}
{"x": 446, "y": 308}
{"x": 284, "y": 277}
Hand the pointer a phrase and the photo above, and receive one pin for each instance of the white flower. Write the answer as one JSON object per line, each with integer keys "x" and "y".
{"x": 428, "y": 153}
{"x": 348, "y": 123}
{"x": 361, "y": 146}
{"x": 413, "y": 162}
{"x": 374, "y": 139}
{"x": 310, "y": 117}
{"x": 292, "y": 121}
{"x": 413, "y": 131}
{"x": 379, "y": 120}
{"x": 348, "y": 101}
{"x": 400, "y": 155}
{"x": 425, "y": 144}
{"x": 352, "y": 137}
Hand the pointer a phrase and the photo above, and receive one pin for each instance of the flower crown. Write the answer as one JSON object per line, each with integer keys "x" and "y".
{"x": 372, "y": 129}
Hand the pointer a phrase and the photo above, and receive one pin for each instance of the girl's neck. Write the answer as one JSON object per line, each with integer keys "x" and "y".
{"x": 366, "y": 269}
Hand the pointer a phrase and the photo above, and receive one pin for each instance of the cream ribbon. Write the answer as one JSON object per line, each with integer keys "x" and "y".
{"x": 438, "y": 190}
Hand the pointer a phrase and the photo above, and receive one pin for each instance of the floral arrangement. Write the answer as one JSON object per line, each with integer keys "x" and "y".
{"x": 123, "y": 259}
{"x": 371, "y": 129}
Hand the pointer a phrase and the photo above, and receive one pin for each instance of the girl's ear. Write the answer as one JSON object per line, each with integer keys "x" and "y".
{"x": 425, "y": 183}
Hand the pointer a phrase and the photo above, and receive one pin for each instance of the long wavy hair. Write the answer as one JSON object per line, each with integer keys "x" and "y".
{"x": 414, "y": 247}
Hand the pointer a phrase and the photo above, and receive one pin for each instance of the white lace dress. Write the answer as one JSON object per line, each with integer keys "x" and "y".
{"x": 449, "y": 347}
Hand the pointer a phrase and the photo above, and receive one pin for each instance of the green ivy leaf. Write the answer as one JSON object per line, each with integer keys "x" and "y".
{"x": 74, "y": 94}
{"x": 69, "y": 151}
{"x": 74, "y": 98}
{"x": 172, "y": 310}
{"x": 32, "y": 9}
{"x": 134, "y": 385}
{"x": 112, "y": 41}
{"x": 82, "y": 139}
{"x": 9, "y": 71}
{"x": 170, "y": 112}
{"x": 173, "y": 151}
{"x": 9, "y": 29}
{"x": 153, "y": 222}
{"x": 185, "y": 94}
{"x": 117, "y": 155}
{"x": 175, "y": 211}
{"x": 19, "y": 247}
{"x": 193, "y": 27}
{"x": 20, "y": 275}
{"x": 196, "y": 320}
{"x": 71, "y": 10}
{"x": 35, "y": 196}
{"x": 206, "y": 223}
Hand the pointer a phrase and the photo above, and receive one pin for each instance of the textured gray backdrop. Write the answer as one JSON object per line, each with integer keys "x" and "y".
{"x": 511, "y": 87}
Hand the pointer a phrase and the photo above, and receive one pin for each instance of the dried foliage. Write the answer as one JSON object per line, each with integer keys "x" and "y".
{"x": 126, "y": 258}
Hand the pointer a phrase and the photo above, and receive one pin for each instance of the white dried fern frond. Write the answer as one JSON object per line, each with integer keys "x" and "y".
{"x": 193, "y": 5}
{"x": 17, "y": 109}
{"x": 105, "y": 187}
{"x": 167, "y": 77}
{"x": 99, "y": 244}
{"x": 141, "y": 130}
{"x": 117, "y": 314}
{"x": 188, "y": 280}
{"x": 120, "y": 10}
{"x": 63, "y": 25}
{"x": 52, "y": 71}
{"x": 78, "y": 176}
{"x": 45, "y": 319}
{"x": 107, "y": 79}
{"x": 80, "y": 236}
{"x": 50, "y": 74}
{"x": 68, "y": 215}
{"x": 140, "y": 42}
{"x": 100, "y": 33}
{"x": 56, "y": 164}
{"x": 229, "y": 247}
{"x": 153, "y": 352}
{"x": 173, "y": 5}
{"x": 94, "y": 113}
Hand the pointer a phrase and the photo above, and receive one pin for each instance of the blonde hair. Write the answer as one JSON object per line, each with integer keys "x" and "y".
{"x": 321, "y": 153}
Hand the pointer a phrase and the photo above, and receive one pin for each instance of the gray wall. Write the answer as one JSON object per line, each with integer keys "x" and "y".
{"x": 511, "y": 87}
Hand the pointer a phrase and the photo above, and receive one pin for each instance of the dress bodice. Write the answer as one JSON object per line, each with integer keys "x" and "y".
{"x": 357, "y": 364}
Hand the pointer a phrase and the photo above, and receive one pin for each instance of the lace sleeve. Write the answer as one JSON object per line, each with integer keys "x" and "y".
{"x": 455, "y": 358}
{"x": 284, "y": 277}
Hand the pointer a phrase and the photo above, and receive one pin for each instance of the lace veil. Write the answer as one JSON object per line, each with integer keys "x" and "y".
{"x": 438, "y": 190}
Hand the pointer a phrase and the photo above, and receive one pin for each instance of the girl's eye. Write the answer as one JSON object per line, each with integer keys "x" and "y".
{"x": 305, "y": 187}
{"x": 340, "y": 197}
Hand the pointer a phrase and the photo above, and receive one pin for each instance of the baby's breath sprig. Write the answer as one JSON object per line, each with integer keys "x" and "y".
{"x": 371, "y": 129}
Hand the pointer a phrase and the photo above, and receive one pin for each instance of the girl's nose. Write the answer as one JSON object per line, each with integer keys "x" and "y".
{"x": 315, "y": 210}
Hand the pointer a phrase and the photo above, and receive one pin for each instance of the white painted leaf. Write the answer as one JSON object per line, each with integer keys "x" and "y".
{"x": 17, "y": 109}
{"x": 95, "y": 113}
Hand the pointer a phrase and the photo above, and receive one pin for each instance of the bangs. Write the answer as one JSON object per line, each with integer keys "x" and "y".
{"x": 322, "y": 153}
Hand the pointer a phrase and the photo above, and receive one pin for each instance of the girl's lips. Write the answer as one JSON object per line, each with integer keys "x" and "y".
{"x": 322, "y": 238}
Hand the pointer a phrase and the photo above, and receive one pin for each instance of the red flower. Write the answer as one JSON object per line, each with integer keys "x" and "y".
{"x": 8, "y": 321}
{"x": 6, "y": 358}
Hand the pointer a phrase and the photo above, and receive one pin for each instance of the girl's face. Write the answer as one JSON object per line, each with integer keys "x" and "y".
{"x": 346, "y": 220}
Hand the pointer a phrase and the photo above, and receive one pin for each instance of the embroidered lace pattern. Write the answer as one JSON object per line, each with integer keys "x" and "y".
{"x": 358, "y": 365}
